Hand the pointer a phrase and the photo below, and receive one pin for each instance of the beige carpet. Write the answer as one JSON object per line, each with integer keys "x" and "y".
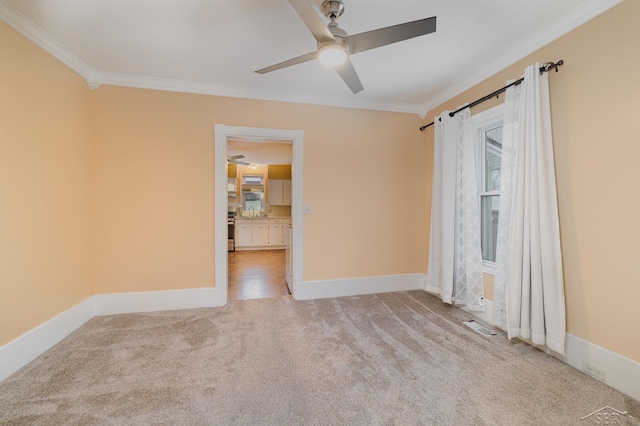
{"x": 390, "y": 359}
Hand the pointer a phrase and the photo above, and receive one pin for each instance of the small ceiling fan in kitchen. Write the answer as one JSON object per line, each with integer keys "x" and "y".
{"x": 235, "y": 159}
{"x": 335, "y": 45}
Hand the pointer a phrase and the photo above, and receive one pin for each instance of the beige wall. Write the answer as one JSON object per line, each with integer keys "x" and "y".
{"x": 149, "y": 213}
{"x": 595, "y": 102}
{"x": 112, "y": 190}
{"x": 488, "y": 286}
{"x": 45, "y": 243}
{"x": 154, "y": 187}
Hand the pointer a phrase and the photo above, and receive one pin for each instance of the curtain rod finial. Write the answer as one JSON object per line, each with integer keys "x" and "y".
{"x": 547, "y": 67}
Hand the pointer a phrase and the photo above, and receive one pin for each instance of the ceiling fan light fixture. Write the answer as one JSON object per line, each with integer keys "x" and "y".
{"x": 332, "y": 54}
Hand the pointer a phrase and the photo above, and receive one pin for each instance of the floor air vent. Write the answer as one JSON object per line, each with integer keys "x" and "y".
{"x": 479, "y": 328}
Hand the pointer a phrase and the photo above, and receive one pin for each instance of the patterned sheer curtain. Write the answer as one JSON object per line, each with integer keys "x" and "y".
{"x": 529, "y": 289}
{"x": 455, "y": 254}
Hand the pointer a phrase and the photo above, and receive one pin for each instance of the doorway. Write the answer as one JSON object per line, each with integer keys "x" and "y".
{"x": 259, "y": 207}
{"x": 224, "y": 134}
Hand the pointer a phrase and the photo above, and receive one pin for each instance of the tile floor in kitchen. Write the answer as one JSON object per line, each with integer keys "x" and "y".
{"x": 257, "y": 274}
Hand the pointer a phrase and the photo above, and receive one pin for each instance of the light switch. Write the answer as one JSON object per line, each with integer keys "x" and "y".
{"x": 307, "y": 209}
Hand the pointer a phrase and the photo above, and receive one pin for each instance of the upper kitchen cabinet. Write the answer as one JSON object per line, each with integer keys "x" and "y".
{"x": 279, "y": 189}
{"x": 279, "y": 192}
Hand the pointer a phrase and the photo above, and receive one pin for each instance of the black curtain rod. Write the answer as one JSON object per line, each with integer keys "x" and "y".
{"x": 544, "y": 68}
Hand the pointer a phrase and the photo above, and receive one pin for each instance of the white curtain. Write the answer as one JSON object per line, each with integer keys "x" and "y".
{"x": 529, "y": 290}
{"x": 455, "y": 255}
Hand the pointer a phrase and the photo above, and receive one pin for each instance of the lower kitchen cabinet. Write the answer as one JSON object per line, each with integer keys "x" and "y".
{"x": 275, "y": 234}
{"x": 243, "y": 235}
{"x": 260, "y": 234}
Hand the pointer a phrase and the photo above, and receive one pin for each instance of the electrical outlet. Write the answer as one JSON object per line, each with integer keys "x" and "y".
{"x": 593, "y": 371}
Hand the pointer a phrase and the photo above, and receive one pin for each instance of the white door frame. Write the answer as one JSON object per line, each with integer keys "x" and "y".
{"x": 254, "y": 134}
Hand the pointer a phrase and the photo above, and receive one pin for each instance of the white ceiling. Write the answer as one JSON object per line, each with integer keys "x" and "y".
{"x": 214, "y": 46}
{"x": 262, "y": 152}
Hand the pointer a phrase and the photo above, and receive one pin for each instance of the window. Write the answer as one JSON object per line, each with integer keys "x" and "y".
{"x": 252, "y": 201}
{"x": 252, "y": 179}
{"x": 253, "y": 194}
{"x": 488, "y": 133}
{"x": 490, "y": 191}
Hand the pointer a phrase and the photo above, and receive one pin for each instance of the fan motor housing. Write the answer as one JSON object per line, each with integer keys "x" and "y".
{"x": 333, "y": 9}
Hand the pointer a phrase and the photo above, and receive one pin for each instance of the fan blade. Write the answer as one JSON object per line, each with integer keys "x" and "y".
{"x": 383, "y": 36}
{"x": 349, "y": 75}
{"x": 235, "y": 159}
{"x": 312, "y": 20}
{"x": 295, "y": 61}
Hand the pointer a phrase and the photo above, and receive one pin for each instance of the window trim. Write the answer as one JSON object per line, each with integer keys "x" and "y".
{"x": 252, "y": 179}
{"x": 480, "y": 123}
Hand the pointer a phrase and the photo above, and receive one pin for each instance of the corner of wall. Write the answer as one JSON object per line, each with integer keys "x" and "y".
{"x": 27, "y": 347}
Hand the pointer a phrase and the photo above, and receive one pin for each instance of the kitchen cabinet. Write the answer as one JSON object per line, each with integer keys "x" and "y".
{"x": 260, "y": 233}
{"x": 286, "y": 192}
{"x": 243, "y": 234}
{"x": 280, "y": 192}
{"x": 275, "y": 233}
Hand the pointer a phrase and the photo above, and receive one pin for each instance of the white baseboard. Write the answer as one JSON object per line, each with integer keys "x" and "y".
{"x": 255, "y": 248}
{"x": 358, "y": 286}
{"x": 24, "y": 349}
{"x": 621, "y": 373}
{"x": 151, "y": 301}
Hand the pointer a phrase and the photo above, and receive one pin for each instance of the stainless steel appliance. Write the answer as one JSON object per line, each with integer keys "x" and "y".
{"x": 231, "y": 232}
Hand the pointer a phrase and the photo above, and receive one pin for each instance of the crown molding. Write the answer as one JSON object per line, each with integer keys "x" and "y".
{"x": 95, "y": 79}
{"x": 553, "y": 31}
{"x": 153, "y": 83}
{"x": 561, "y": 26}
{"x": 35, "y": 34}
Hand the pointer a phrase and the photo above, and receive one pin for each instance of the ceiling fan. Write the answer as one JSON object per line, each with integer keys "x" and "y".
{"x": 335, "y": 45}
{"x": 235, "y": 159}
